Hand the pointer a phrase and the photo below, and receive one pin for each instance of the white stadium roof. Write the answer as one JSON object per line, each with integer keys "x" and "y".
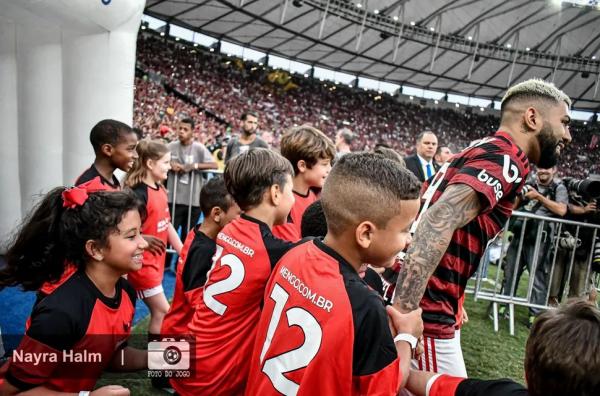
{"x": 474, "y": 48}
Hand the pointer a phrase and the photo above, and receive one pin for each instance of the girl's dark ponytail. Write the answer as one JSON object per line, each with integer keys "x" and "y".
{"x": 56, "y": 233}
{"x": 36, "y": 254}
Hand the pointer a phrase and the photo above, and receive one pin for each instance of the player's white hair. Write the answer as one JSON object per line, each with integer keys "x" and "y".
{"x": 536, "y": 87}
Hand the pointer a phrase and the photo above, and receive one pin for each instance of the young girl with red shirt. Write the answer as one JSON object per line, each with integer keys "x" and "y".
{"x": 145, "y": 179}
{"x": 91, "y": 313}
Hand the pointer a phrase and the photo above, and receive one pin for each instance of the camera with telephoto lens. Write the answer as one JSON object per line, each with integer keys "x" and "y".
{"x": 589, "y": 187}
{"x": 169, "y": 354}
{"x": 525, "y": 190}
{"x": 596, "y": 256}
{"x": 568, "y": 241}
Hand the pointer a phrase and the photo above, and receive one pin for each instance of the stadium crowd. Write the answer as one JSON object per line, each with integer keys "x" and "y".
{"x": 223, "y": 87}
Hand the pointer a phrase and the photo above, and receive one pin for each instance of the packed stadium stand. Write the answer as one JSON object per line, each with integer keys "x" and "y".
{"x": 176, "y": 78}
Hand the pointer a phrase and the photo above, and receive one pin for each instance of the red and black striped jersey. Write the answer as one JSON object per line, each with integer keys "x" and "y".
{"x": 92, "y": 173}
{"x": 72, "y": 337}
{"x": 292, "y": 229}
{"x": 322, "y": 331}
{"x": 192, "y": 269}
{"x": 224, "y": 322}
{"x": 156, "y": 224}
{"x": 496, "y": 168}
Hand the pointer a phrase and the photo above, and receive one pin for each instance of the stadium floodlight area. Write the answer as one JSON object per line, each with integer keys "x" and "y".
{"x": 324, "y": 74}
{"x": 460, "y": 99}
{"x": 581, "y": 115}
{"x": 387, "y": 87}
{"x": 298, "y": 67}
{"x": 368, "y": 83}
{"x": 204, "y": 40}
{"x": 232, "y": 49}
{"x": 277, "y": 62}
{"x": 253, "y": 55}
{"x": 153, "y": 23}
{"x": 413, "y": 91}
{"x": 345, "y": 78}
{"x": 580, "y": 3}
{"x": 478, "y": 102}
{"x": 181, "y": 32}
{"x": 333, "y": 76}
{"x": 435, "y": 95}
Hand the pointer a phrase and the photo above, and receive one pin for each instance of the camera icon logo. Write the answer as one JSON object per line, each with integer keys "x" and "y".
{"x": 169, "y": 354}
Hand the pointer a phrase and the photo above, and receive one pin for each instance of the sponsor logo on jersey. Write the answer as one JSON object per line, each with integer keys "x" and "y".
{"x": 305, "y": 290}
{"x": 162, "y": 225}
{"x": 492, "y": 182}
{"x": 236, "y": 244}
{"x": 510, "y": 172}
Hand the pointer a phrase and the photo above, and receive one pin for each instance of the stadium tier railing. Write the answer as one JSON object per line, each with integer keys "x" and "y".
{"x": 492, "y": 290}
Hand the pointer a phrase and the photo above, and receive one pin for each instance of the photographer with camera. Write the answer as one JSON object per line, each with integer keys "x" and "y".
{"x": 583, "y": 195}
{"x": 542, "y": 196}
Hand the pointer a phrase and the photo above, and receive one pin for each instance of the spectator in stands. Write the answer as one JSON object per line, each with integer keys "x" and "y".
{"x": 467, "y": 206}
{"x": 561, "y": 358}
{"x": 267, "y": 136}
{"x": 343, "y": 141}
{"x": 442, "y": 155}
{"x": 544, "y": 196}
{"x": 247, "y": 138}
{"x": 188, "y": 159}
{"x": 422, "y": 163}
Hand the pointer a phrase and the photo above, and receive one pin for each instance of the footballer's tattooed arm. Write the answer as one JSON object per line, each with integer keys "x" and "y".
{"x": 458, "y": 205}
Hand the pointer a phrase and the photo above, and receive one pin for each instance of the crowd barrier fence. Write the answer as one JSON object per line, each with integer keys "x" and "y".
{"x": 549, "y": 234}
{"x": 206, "y": 175}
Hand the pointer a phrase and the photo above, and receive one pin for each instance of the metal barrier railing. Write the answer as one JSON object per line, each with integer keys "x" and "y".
{"x": 545, "y": 251}
{"x": 207, "y": 174}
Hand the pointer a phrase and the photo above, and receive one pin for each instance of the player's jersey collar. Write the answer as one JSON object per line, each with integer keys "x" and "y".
{"x": 253, "y": 220}
{"x": 302, "y": 195}
{"x": 502, "y": 135}
{"x": 330, "y": 252}
{"x": 114, "y": 183}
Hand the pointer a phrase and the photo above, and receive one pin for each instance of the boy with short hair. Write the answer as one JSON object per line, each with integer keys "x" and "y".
{"x": 561, "y": 358}
{"x": 322, "y": 330}
{"x": 219, "y": 209}
{"x": 224, "y": 321}
{"x": 314, "y": 224}
{"x": 114, "y": 144}
{"x": 310, "y": 153}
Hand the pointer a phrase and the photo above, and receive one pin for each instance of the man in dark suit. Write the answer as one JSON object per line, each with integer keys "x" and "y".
{"x": 422, "y": 163}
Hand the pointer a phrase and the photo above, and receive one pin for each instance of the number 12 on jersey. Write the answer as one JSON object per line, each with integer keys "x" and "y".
{"x": 275, "y": 367}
